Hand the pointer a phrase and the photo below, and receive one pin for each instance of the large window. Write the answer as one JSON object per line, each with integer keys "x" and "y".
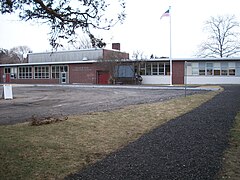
{"x": 161, "y": 68}
{"x": 167, "y": 69}
{"x": 209, "y": 68}
{"x": 216, "y": 69}
{"x": 56, "y": 70}
{"x": 124, "y": 71}
{"x": 41, "y": 72}
{"x": 231, "y": 69}
{"x": 12, "y": 71}
{"x": 238, "y": 69}
{"x": 25, "y": 72}
{"x": 154, "y": 68}
{"x": 142, "y": 69}
{"x": 224, "y": 68}
{"x": 195, "y": 68}
{"x": 148, "y": 69}
{"x": 202, "y": 69}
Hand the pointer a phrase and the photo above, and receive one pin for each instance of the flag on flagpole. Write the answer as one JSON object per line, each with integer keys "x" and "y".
{"x": 166, "y": 14}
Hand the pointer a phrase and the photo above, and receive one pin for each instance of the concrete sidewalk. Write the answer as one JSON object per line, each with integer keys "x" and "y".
{"x": 188, "y": 147}
{"x": 145, "y": 87}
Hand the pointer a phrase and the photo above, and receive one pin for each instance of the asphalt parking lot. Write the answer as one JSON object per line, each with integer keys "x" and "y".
{"x": 43, "y": 101}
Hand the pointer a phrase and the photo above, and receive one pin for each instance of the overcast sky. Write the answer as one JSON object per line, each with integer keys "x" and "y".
{"x": 142, "y": 30}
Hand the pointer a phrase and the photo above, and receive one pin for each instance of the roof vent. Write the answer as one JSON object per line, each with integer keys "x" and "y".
{"x": 85, "y": 59}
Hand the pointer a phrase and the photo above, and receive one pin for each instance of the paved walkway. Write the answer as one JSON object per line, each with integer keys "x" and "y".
{"x": 188, "y": 147}
{"x": 147, "y": 87}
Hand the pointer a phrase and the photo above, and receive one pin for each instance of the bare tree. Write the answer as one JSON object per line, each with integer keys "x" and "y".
{"x": 7, "y": 57}
{"x": 83, "y": 43}
{"x": 21, "y": 52}
{"x": 111, "y": 63}
{"x": 223, "y": 40}
{"x": 66, "y": 16}
{"x": 138, "y": 55}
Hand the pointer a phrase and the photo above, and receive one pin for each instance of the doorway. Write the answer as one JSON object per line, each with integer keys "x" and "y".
{"x": 103, "y": 77}
{"x": 63, "y": 78}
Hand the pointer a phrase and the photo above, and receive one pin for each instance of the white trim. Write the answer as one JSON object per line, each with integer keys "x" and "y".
{"x": 213, "y": 79}
{"x": 193, "y": 59}
{"x": 158, "y": 79}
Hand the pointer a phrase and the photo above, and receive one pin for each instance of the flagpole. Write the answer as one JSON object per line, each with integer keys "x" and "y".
{"x": 170, "y": 50}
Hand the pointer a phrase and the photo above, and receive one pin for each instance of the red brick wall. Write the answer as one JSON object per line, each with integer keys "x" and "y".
{"x": 1, "y": 74}
{"x": 78, "y": 73}
{"x": 35, "y": 81}
{"x": 109, "y": 54}
{"x": 84, "y": 73}
{"x": 178, "y": 72}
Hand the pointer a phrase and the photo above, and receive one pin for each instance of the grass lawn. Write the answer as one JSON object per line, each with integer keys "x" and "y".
{"x": 55, "y": 150}
{"x": 231, "y": 160}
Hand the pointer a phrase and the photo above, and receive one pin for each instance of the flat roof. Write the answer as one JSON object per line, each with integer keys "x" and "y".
{"x": 75, "y": 50}
{"x": 129, "y": 60}
{"x": 66, "y": 51}
{"x": 197, "y": 59}
{"x": 49, "y": 63}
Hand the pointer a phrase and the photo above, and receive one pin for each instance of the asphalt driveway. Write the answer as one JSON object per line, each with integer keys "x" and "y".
{"x": 42, "y": 101}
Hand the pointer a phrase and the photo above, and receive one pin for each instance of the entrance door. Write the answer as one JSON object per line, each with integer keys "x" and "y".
{"x": 63, "y": 77}
{"x": 7, "y": 78}
{"x": 103, "y": 77}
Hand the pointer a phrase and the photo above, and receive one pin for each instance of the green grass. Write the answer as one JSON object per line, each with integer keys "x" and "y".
{"x": 231, "y": 160}
{"x": 55, "y": 150}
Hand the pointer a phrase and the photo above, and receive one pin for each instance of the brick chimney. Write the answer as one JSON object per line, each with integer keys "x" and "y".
{"x": 116, "y": 46}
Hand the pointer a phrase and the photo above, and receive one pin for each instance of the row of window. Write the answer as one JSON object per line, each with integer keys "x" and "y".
{"x": 154, "y": 68}
{"x": 146, "y": 68}
{"x": 37, "y": 72}
{"x": 216, "y": 69}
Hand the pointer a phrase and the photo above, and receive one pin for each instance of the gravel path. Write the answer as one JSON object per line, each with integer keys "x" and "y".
{"x": 188, "y": 147}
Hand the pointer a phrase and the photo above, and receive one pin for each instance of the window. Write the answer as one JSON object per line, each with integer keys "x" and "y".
{"x": 209, "y": 68}
{"x": 224, "y": 68}
{"x": 216, "y": 70}
{"x": 148, "y": 69}
{"x": 161, "y": 68}
{"x": 202, "y": 68}
{"x": 142, "y": 69}
{"x": 41, "y": 72}
{"x": 56, "y": 70}
{"x": 237, "y": 68}
{"x": 231, "y": 72}
{"x": 25, "y": 72}
{"x": 154, "y": 68}
{"x": 12, "y": 71}
{"x": 195, "y": 68}
{"x": 231, "y": 69}
{"x": 167, "y": 69}
{"x": 7, "y": 70}
{"x": 124, "y": 71}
